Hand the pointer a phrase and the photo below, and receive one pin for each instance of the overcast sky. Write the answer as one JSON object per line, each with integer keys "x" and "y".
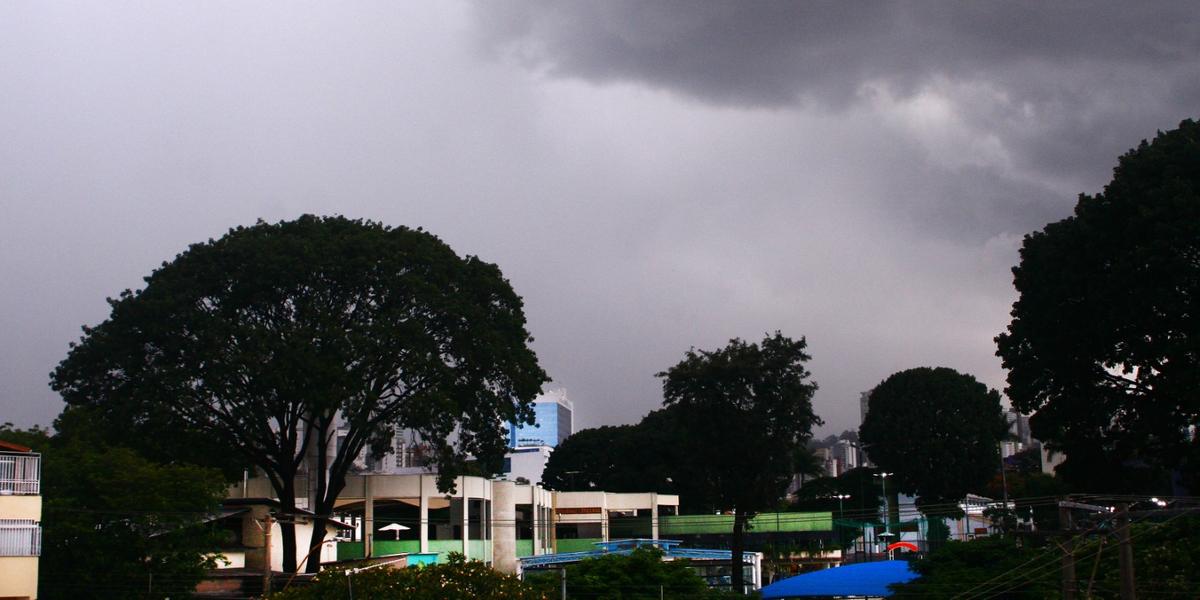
{"x": 650, "y": 176}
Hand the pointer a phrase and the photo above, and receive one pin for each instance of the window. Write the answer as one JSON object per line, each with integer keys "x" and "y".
{"x": 20, "y": 537}
{"x": 20, "y": 474}
{"x": 576, "y": 531}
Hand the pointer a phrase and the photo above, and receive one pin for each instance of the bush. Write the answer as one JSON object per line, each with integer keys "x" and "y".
{"x": 457, "y": 580}
{"x": 641, "y": 575}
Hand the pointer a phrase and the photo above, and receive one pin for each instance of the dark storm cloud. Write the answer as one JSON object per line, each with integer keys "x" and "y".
{"x": 775, "y": 53}
{"x": 1062, "y": 86}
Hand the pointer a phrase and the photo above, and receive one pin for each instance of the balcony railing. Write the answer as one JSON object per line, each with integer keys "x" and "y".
{"x": 20, "y": 537}
{"x": 20, "y": 474}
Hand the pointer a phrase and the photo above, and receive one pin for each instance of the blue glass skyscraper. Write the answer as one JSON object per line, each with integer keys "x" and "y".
{"x": 554, "y": 422}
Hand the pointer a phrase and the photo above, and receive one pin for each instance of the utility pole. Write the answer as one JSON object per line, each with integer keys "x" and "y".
{"x": 1128, "y": 587}
{"x": 562, "y": 576}
{"x": 266, "y": 577}
{"x": 1068, "y": 559}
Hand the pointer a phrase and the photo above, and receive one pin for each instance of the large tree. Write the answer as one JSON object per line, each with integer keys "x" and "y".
{"x": 269, "y": 338}
{"x": 1104, "y": 342}
{"x": 622, "y": 458}
{"x": 937, "y": 430}
{"x": 746, "y": 413}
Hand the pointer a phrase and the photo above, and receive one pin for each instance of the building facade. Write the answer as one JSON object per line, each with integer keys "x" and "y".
{"x": 20, "y": 520}
{"x": 554, "y": 421}
{"x": 493, "y": 521}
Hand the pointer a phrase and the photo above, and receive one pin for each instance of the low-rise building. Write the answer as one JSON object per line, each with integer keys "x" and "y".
{"x": 20, "y": 520}
{"x": 493, "y": 521}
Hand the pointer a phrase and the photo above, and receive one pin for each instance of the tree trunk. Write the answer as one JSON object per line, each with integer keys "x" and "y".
{"x": 330, "y": 483}
{"x": 287, "y": 523}
{"x": 313, "y": 564}
{"x": 735, "y": 549}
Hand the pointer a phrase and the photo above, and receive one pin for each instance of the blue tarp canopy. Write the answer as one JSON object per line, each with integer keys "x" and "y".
{"x": 862, "y": 579}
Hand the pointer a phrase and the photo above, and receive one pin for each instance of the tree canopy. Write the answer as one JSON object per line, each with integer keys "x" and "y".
{"x": 746, "y": 416}
{"x": 1103, "y": 344}
{"x": 268, "y": 339}
{"x": 993, "y": 567}
{"x": 937, "y": 430}
{"x": 623, "y": 458}
{"x": 1165, "y": 558}
{"x": 116, "y": 524}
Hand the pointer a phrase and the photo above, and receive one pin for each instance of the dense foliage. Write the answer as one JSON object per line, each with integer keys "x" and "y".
{"x": 457, "y": 580}
{"x": 267, "y": 339}
{"x": 746, "y": 413}
{"x": 641, "y": 575}
{"x": 937, "y": 430}
{"x": 1102, "y": 346}
{"x": 1005, "y": 568}
{"x": 115, "y": 524}
{"x": 1165, "y": 559}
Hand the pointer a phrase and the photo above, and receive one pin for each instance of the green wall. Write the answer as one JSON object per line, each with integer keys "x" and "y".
{"x": 385, "y": 547}
{"x": 763, "y": 523}
{"x": 349, "y": 550}
{"x": 579, "y": 545}
{"x": 524, "y": 548}
{"x": 444, "y": 547}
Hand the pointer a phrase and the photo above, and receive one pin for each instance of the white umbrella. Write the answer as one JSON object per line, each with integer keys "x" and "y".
{"x": 394, "y": 527}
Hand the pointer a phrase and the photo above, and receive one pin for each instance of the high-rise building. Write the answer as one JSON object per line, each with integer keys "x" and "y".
{"x": 554, "y": 421}
{"x": 864, "y": 404}
{"x": 1018, "y": 429}
{"x": 846, "y": 453}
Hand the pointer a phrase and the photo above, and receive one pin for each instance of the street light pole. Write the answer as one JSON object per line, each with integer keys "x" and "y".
{"x": 841, "y": 513}
{"x": 887, "y": 509}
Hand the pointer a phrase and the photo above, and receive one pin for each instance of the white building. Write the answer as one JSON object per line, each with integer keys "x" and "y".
{"x": 526, "y": 464}
{"x": 488, "y": 520}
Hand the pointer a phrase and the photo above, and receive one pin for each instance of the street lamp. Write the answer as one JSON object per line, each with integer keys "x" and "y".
{"x": 841, "y": 497}
{"x": 887, "y": 511}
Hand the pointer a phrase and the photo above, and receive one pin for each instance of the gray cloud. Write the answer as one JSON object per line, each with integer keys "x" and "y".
{"x": 650, "y": 176}
{"x": 1060, "y": 88}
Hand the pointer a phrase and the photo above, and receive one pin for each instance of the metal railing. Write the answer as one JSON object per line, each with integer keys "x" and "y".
{"x": 20, "y": 474}
{"x": 20, "y": 537}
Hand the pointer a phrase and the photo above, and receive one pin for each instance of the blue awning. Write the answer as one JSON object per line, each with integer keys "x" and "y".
{"x": 861, "y": 579}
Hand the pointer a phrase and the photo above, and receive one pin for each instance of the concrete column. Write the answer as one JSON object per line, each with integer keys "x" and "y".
{"x": 604, "y": 517}
{"x": 424, "y": 514}
{"x": 464, "y": 517}
{"x": 537, "y": 516}
{"x": 654, "y": 515}
{"x": 504, "y": 527}
{"x": 368, "y": 517}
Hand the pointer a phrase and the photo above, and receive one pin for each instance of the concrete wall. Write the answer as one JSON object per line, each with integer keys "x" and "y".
{"x": 21, "y": 507}
{"x": 18, "y": 576}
